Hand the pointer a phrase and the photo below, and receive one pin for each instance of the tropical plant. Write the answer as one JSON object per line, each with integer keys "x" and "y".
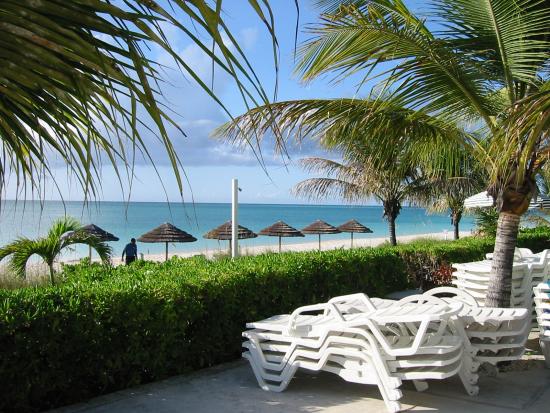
{"x": 76, "y": 84}
{"x": 446, "y": 192}
{"x": 486, "y": 220}
{"x": 63, "y": 233}
{"x": 360, "y": 181}
{"x": 482, "y": 65}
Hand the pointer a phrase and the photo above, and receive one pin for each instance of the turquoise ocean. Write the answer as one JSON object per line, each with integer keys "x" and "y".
{"x": 127, "y": 220}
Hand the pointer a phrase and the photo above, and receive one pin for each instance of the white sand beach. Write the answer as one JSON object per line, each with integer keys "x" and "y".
{"x": 37, "y": 269}
{"x": 305, "y": 246}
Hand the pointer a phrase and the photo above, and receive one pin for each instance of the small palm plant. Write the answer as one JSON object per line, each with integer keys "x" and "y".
{"x": 486, "y": 220}
{"x": 63, "y": 233}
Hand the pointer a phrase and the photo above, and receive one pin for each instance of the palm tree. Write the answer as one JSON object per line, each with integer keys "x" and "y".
{"x": 446, "y": 191}
{"x": 359, "y": 181}
{"x": 399, "y": 169}
{"x": 76, "y": 84}
{"x": 448, "y": 194}
{"x": 482, "y": 65}
{"x": 63, "y": 233}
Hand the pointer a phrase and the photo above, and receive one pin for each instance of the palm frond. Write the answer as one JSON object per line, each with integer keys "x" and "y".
{"x": 424, "y": 71}
{"x": 327, "y": 166}
{"x": 103, "y": 249}
{"x": 379, "y": 126}
{"x": 510, "y": 37}
{"x": 78, "y": 85}
{"x": 321, "y": 188}
{"x": 522, "y": 146}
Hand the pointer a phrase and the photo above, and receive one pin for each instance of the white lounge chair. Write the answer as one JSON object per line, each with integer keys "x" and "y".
{"x": 491, "y": 335}
{"x": 362, "y": 347}
{"x": 474, "y": 278}
{"x": 542, "y": 305}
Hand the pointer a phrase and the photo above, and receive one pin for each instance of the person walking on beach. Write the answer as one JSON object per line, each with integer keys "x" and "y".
{"x": 130, "y": 250}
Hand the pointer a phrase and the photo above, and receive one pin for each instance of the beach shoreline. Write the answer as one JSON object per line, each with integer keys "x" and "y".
{"x": 326, "y": 245}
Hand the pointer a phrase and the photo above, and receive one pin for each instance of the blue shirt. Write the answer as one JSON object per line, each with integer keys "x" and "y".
{"x": 130, "y": 250}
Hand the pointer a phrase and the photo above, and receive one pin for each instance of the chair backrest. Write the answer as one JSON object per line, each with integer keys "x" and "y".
{"x": 454, "y": 293}
{"x": 359, "y": 300}
{"x": 420, "y": 299}
{"x": 524, "y": 252}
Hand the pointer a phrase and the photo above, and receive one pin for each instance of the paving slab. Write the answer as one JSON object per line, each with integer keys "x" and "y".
{"x": 232, "y": 388}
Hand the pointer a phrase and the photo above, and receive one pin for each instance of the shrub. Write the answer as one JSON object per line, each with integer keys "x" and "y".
{"x": 428, "y": 262}
{"x": 111, "y": 328}
{"x": 105, "y": 329}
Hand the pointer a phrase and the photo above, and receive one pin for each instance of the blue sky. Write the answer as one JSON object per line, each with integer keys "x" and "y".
{"x": 210, "y": 164}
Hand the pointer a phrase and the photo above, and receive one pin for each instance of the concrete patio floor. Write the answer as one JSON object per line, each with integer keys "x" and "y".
{"x": 232, "y": 388}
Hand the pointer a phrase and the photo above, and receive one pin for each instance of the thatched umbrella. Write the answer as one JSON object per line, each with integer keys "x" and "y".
{"x": 166, "y": 233}
{"x": 320, "y": 227}
{"x": 98, "y": 232}
{"x": 223, "y": 232}
{"x": 281, "y": 229}
{"x": 353, "y": 226}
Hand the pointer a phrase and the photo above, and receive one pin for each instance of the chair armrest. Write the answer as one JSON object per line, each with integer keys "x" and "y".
{"x": 326, "y": 308}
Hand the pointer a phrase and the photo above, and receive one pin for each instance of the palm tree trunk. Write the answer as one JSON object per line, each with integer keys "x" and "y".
{"x": 52, "y": 280}
{"x": 500, "y": 286}
{"x": 457, "y": 231}
{"x": 392, "y": 207}
{"x": 456, "y": 216}
{"x": 391, "y": 224}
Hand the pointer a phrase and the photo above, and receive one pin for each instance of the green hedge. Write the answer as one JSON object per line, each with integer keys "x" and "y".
{"x": 106, "y": 329}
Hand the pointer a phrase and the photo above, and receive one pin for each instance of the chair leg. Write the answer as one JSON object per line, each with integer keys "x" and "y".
{"x": 420, "y": 385}
{"x": 545, "y": 348}
{"x": 469, "y": 379}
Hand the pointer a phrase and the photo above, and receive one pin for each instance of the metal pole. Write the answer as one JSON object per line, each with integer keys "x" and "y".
{"x": 352, "y": 240}
{"x": 166, "y": 253}
{"x": 234, "y": 218}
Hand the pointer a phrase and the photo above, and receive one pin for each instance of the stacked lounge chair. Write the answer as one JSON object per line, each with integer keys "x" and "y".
{"x": 528, "y": 270}
{"x": 542, "y": 303}
{"x": 382, "y": 342}
{"x": 491, "y": 335}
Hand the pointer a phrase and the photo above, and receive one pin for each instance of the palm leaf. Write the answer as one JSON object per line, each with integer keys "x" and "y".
{"x": 424, "y": 70}
{"x": 63, "y": 233}
{"x": 321, "y": 188}
{"x": 378, "y": 127}
{"x": 75, "y": 76}
{"x": 507, "y": 35}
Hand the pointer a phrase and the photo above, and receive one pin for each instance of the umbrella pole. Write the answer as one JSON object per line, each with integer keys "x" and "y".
{"x": 319, "y": 242}
{"x": 230, "y": 248}
{"x": 351, "y": 240}
{"x": 90, "y": 253}
{"x": 279, "y": 245}
{"x": 166, "y": 253}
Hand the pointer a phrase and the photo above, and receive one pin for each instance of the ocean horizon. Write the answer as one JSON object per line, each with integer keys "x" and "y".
{"x": 132, "y": 219}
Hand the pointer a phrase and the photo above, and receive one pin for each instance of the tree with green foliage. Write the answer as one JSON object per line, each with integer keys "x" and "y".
{"x": 480, "y": 65}
{"x": 76, "y": 84}
{"x": 63, "y": 233}
{"x": 360, "y": 180}
{"x": 446, "y": 191}
{"x": 486, "y": 220}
